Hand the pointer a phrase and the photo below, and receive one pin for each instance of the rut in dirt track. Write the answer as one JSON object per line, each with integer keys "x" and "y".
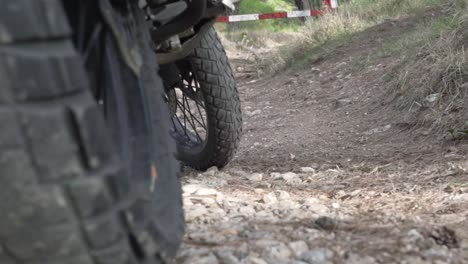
{"x": 325, "y": 174}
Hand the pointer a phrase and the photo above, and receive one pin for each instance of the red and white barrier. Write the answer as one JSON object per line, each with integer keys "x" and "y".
{"x": 277, "y": 15}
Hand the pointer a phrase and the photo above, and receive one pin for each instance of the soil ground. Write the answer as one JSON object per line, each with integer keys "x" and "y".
{"x": 327, "y": 172}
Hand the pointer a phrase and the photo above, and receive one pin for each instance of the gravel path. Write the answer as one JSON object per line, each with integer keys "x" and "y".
{"x": 327, "y": 174}
{"x": 239, "y": 217}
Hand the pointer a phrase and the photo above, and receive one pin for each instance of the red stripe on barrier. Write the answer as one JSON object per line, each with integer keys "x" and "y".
{"x": 222, "y": 19}
{"x": 317, "y": 12}
{"x": 273, "y": 15}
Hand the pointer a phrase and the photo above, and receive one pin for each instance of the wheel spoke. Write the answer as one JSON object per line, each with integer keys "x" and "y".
{"x": 191, "y": 124}
{"x": 192, "y": 117}
{"x": 189, "y": 103}
{"x": 196, "y": 119}
{"x": 185, "y": 120}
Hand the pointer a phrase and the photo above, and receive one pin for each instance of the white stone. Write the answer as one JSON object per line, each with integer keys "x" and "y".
{"x": 317, "y": 256}
{"x": 211, "y": 171}
{"x": 270, "y": 198}
{"x": 432, "y": 97}
{"x": 203, "y": 200}
{"x": 276, "y": 176}
{"x": 210, "y": 259}
{"x": 282, "y": 195}
{"x": 307, "y": 170}
{"x": 288, "y": 176}
{"x": 278, "y": 252}
{"x": 255, "y": 177}
{"x": 254, "y": 260}
{"x": 206, "y": 192}
{"x": 258, "y": 190}
{"x": 298, "y": 247}
{"x": 253, "y": 113}
{"x": 247, "y": 210}
{"x": 378, "y": 130}
{"x": 195, "y": 212}
{"x": 191, "y": 188}
{"x": 315, "y": 205}
{"x": 227, "y": 257}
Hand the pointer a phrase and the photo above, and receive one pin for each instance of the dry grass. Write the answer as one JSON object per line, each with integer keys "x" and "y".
{"x": 432, "y": 83}
{"x": 320, "y": 36}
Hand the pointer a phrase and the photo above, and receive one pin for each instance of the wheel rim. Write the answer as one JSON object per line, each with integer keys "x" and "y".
{"x": 188, "y": 112}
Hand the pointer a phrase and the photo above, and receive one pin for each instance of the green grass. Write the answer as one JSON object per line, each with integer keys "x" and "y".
{"x": 321, "y": 35}
{"x": 265, "y": 6}
{"x": 426, "y": 33}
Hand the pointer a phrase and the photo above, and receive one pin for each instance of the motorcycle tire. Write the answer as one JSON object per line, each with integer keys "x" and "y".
{"x": 210, "y": 66}
{"x": 67, "y": 196}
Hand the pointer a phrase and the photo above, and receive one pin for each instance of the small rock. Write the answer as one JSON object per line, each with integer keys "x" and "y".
{"x": 287, "y": 205}
{"x": 311, "y": 200}
{"x": 432, "y": 98}
{"x": 206, "y": 192}
{"x": 253, "y": 113}
{"x": 307, "y": 170}
{"x": 356, "y": 259}
{"x": 289, "y": 176}
{"x": 378, "y": 130}
{"x": 413, "y": 235}
{"x": 247, "y": 211}
{"x": 211, "y": 171}
{"x": 195, "y": 212}
{"x": 314, "y": 166}
{"x": 203, "y": 200}
{"x": 278, "y": 252}
{"x": 282, "y": 195}
{"x": 227, "y": 257}
{"x": 326, "y": 223}
{"x": 257, "y": 190}
{"x": 317, "y": 256}
{"x": 314, "y": 205}
{"x": 292, "y": 156}
{"x": 191, "y": 188}
{"x": 270, "y": 198}
{"x": 239, "y": 173}
{"x": 335, "y": 205}
{"x": 188, "y": 253}
{"x": 409, "y": 260}
{"x": 298, "y": 247}
{"x": 255, "y": 177}
{"x": 242, "y": 250}
{"x": 254, "y": 260}
{"x": 187, "y": 202}
{"x": 276, "y": 176}
{"x": 342, "y": 102}
{"x": 216, "y": 212}
{"x": 437, "y": 252}
{"x": 205, "y": 237}
{"x": 210, "y": 259}
{"x": 355, "y": 193}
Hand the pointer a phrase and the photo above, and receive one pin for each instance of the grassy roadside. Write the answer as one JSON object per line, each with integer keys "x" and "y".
{"x": 321, "y": 36}
{"x": 429, "y": 83}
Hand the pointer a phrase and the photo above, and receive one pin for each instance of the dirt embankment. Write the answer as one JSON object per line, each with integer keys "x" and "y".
{"x": 329, "y": 172}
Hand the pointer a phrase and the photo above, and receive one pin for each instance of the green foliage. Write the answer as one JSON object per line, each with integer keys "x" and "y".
{"x": 264, "y": 6}
{"x": 335, "y": 28}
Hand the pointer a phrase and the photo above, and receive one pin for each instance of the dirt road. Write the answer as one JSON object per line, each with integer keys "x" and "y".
{"x": 327, "y": 173}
